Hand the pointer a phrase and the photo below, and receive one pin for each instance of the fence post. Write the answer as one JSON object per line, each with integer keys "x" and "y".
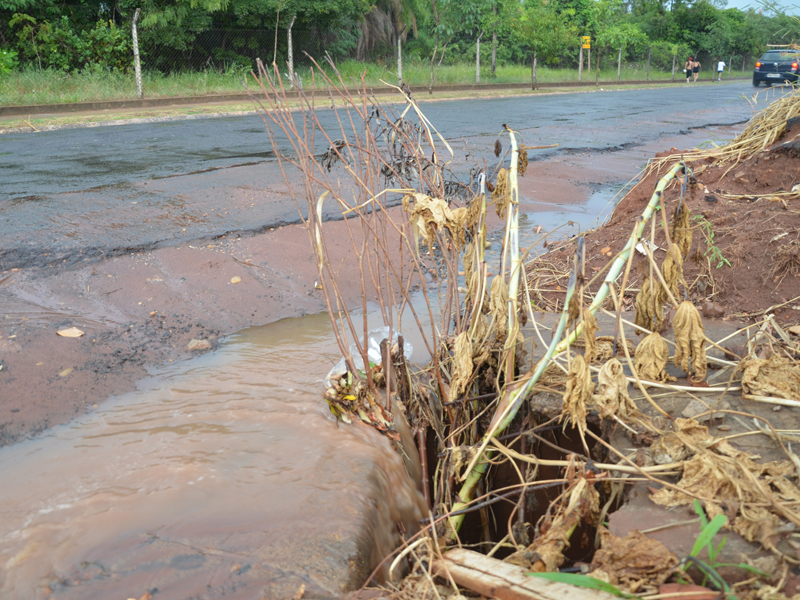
{"x": 649, "y": 54}
{"x": 674, "y": 59}
{"x": 619, "y": 65}
{"x": 400, "y": 57}
{"x": 291, "y": 53}
{"x": 478, "y": 59}
{"x": 137, "y": 66}
{"x": 730, "y": 61}
{"x": 580, "y": 62}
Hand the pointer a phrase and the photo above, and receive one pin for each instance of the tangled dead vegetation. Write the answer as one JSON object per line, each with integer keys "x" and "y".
{"x": 528, "y": 486}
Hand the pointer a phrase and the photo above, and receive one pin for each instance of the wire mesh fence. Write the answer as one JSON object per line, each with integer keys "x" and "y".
{"x": 83, "y": 42}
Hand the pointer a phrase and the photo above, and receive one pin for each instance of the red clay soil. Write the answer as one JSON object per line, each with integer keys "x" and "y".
{"x": 745, "y": 255}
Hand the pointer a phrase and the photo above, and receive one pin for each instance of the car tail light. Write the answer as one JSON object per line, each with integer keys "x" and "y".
{"x": 758, "y": 65}
{"x": 794, "y": 66}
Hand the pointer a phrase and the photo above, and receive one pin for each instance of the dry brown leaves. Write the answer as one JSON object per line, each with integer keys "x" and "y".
{"x": 649, "y": 307}
{"x": 632, "y": 562}
{"x": 553, "y": 376}
{"x": 652, "y": 355}
{"x": 501, "y": 194}
{"x": 589, "y": 329}
{"x": 498, "y": 307}
{"x": 690, "y": 341}
{"x": 462, "y": 365}
{"x": 522, "y": 163}
{"x": 429, "y": 215}
{"x": 754, "y": 496}
{"x": 605, "y": 347}
{"x": 682, "y": 229}
{"x": 776, "y": 376}
{"x": 579, "y": 391}
{"x": 546, "y": 553}
{"x": 612, "y": 391}
{"x": 672, "y": 270}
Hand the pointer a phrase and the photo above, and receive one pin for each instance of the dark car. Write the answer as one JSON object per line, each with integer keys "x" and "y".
{"x": 777, "y": 66}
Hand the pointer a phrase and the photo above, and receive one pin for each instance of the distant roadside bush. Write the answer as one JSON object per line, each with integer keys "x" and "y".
{"x": 8, "y": 61}
{"x": 57, "y": 45}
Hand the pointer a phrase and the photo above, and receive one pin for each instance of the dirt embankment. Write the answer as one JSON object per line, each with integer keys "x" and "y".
{"x": 745, "y": 255}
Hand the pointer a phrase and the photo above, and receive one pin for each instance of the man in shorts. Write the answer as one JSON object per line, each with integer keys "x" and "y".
{"x": 720, "y": 68}
{"x": 687, "y": 68}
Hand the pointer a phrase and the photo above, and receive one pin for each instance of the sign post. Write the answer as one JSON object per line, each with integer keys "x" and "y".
{"x": 586, "y": 44}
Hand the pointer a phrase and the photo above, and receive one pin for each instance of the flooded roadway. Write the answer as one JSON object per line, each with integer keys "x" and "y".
{"x": 221, "y": 477}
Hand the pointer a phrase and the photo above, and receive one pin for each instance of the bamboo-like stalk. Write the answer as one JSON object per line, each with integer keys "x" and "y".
{"x": 512, "y": 250}
{"x": 516, "y": 392}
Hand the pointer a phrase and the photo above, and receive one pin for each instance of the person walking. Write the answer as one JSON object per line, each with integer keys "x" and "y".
{"x": 687, "y": 68}
{"x": 720, "y": 69}
{"x": 696, "y": 70}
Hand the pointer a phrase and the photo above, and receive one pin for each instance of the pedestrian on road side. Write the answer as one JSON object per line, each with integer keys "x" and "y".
{"x": 720, "y": 68}
{"x": 696, "y": 69}
{"x": 687, "y": 68}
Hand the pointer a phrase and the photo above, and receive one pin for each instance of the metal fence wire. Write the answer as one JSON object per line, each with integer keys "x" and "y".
{"x": 85, "y": 38}
{"x": 224, "y": 49}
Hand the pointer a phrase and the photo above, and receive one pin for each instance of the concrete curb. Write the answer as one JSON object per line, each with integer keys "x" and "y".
{"x": 76, "y": 107}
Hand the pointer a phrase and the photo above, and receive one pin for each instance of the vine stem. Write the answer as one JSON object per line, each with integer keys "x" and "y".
{"x": 515, "y": 392}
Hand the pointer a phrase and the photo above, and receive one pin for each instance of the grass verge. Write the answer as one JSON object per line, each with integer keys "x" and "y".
{"x": 29, "y": 87}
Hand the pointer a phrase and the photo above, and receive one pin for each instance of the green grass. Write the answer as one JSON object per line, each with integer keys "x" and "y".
{"x": 31, "y": 86}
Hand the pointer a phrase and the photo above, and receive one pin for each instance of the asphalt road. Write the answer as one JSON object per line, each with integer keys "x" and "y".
{"x": 72, "y": 195}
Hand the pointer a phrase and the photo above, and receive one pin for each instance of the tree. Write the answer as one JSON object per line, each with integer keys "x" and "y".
{"x": 449, "y": 17}
{"x": 546, "y": 32}
{"x": 620, "y": 36}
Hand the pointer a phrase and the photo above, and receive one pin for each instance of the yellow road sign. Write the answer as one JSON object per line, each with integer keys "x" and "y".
{"x": 587, "y": 41}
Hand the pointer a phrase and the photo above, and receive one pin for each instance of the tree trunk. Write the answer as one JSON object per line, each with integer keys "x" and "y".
{"x": 533, "y": 71}
{"x": 291, "y": 52}
{"x": 674, "y": 60}
{"x": 619, "y": 64}
{"x": 649, "y": 54}
{"x": 478, "y": 59}
{"x": 580, "y": 63}
{"x": 137, "y": 66}
{"x": 730, "y": 62}
{"x": 399, "y": 58}
{"x": 589, "y": 63}
{"x": 494, "y": 43}
{"x": 744, "y": 58}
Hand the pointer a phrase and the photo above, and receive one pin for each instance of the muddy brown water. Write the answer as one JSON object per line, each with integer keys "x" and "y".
{"x": 224, "y": 476}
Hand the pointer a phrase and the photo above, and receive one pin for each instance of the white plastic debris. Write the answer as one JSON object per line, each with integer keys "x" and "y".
{"x": 374, "y": 339}
{"x": 640, "y": 247}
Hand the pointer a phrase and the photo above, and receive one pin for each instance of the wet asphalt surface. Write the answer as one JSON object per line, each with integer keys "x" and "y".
{"x": 71, "y": 196}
